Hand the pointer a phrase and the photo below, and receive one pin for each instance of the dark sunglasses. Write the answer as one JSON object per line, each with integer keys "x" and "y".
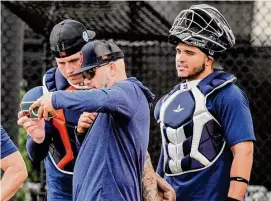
{"x": 89, "y": 74}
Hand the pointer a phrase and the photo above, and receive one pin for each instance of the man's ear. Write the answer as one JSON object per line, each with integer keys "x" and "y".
{"x": 112, "y": 68}
{"x": 210, "y": 61}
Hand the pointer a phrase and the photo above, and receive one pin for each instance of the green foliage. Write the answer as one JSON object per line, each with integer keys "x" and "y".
{"x": 32, "y": 174}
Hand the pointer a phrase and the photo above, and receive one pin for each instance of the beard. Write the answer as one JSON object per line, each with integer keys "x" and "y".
{"x": 194, "y": 75}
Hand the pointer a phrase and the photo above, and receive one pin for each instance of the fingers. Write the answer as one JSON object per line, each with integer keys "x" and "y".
{"x": 169, "y": 196}
{"x": 92, "y": 115}
{"x": 84, "y": 125}
{"x": 20, "y": 114}
{"x": 88, "y": 117}
{"x": 86, "y": 120}
{"x": 168, "y": 192}
{"x": 22, "y": 120}
{"x": 45, "y": 114}
{"x": 37, "y": 103}
{"x": 40, "y": 112}
{"x": 163, "y": 184}
{"x": 29, "y": 123}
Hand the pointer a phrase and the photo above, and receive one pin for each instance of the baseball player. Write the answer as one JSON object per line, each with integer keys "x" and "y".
{"x": 206, "y": 125}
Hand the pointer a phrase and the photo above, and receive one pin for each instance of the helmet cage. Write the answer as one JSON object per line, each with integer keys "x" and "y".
{"x": 202, "y": 26}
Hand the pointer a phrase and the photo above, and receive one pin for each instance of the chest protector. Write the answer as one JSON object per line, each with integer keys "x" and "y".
{"x": 62, "y": 154}
{"x": 192, "y": 138}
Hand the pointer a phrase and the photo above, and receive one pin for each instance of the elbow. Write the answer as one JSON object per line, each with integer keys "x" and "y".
{"x": 21, "y": 170}
{"x": 24, "y": 174}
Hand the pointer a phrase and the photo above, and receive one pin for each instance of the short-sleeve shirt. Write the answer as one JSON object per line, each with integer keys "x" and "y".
{"x": 231, "y": 108}
{"x": 7, "y": 146}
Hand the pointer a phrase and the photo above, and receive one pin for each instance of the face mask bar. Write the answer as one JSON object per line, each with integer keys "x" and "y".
{"x": 204, "y": 32}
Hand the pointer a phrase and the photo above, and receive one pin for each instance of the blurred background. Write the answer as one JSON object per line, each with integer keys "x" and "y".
{"x": 140, "y": 28}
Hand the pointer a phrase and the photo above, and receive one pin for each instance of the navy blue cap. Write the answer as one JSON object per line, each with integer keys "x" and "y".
{"x": 68, "y": 37}
{"x": 96, "y": 53}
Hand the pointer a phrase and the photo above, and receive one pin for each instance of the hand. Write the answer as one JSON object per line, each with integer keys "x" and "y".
{"x": 85, "y": 121}
{"x": 165, "y": 191}
{"x": 34, "y": 127}
{"x": 45, "y": 106}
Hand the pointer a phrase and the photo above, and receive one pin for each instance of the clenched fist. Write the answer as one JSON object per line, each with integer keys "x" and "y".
{"x": 85, "y": 121}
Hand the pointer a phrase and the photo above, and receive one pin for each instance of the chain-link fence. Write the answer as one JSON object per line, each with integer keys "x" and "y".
{"x": 140, "y": 29}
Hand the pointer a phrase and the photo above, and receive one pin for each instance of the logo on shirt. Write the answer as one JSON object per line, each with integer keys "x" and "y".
{"x": 179, "y": 109}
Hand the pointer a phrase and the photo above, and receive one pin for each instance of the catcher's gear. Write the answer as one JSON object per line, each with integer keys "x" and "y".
{"x": 202, "y": 26}
{"x": 59, "y": 123}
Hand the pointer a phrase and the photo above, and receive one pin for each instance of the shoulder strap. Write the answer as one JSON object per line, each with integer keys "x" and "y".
{"x": 215, "y": 80}
{"x": 53, "y": 80}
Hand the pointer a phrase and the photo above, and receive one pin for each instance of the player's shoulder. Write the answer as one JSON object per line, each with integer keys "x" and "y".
{"x": 232, "y": 89}
{"x": 49, "y": 76}
{"x": 129, "y": 84}
{"x": 231, "y": 94}
{"x": 53, "y": 80}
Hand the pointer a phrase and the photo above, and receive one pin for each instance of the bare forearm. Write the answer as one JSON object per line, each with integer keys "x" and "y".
{"x": 11, "y": 181}
{"x": 241, "y": 167}
{"x": 150, "y": 190}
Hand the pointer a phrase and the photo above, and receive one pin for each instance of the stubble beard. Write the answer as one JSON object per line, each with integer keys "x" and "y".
{"x": 194, "y": 75}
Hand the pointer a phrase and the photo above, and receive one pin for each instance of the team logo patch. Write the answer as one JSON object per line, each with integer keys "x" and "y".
{"x": 85, "y": 36}
{"x": 62, "y": 54}
{"x": 104, "y": 57}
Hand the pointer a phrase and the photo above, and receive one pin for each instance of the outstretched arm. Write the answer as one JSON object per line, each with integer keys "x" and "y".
{"x": 117, "y": 99}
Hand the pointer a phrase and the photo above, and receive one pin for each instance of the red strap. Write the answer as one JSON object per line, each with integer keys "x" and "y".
{"x": 59, "y": 123}
{"x": 61, "y": 127}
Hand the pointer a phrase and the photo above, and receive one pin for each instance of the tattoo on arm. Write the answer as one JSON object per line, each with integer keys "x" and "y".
{"x": 150, "y": 189}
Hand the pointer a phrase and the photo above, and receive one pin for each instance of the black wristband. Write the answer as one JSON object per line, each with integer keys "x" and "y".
{"x": 231, "y": 199}
{"x": 239, "y": 179}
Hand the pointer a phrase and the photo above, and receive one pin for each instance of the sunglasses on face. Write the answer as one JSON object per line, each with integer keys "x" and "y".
{"x": 89, "y": 74}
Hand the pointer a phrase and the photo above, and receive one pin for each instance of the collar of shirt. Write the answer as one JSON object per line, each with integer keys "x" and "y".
{"x": 187, "y": 85}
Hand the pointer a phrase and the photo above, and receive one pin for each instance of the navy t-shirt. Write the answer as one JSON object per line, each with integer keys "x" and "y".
{"x": 230, "y": 107}
{"x": 7, "y": 146}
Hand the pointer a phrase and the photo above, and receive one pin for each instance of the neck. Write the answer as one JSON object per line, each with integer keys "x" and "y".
{"x": 200, "y": 76}
{"x": 77, "y": 86}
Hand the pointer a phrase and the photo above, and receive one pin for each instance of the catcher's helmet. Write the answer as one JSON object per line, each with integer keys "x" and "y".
{"x": 33, "y": 94}
{"x": 202, "y": 26}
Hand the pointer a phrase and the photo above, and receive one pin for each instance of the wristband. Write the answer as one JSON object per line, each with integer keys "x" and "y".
{"x": 239, "y": 179}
